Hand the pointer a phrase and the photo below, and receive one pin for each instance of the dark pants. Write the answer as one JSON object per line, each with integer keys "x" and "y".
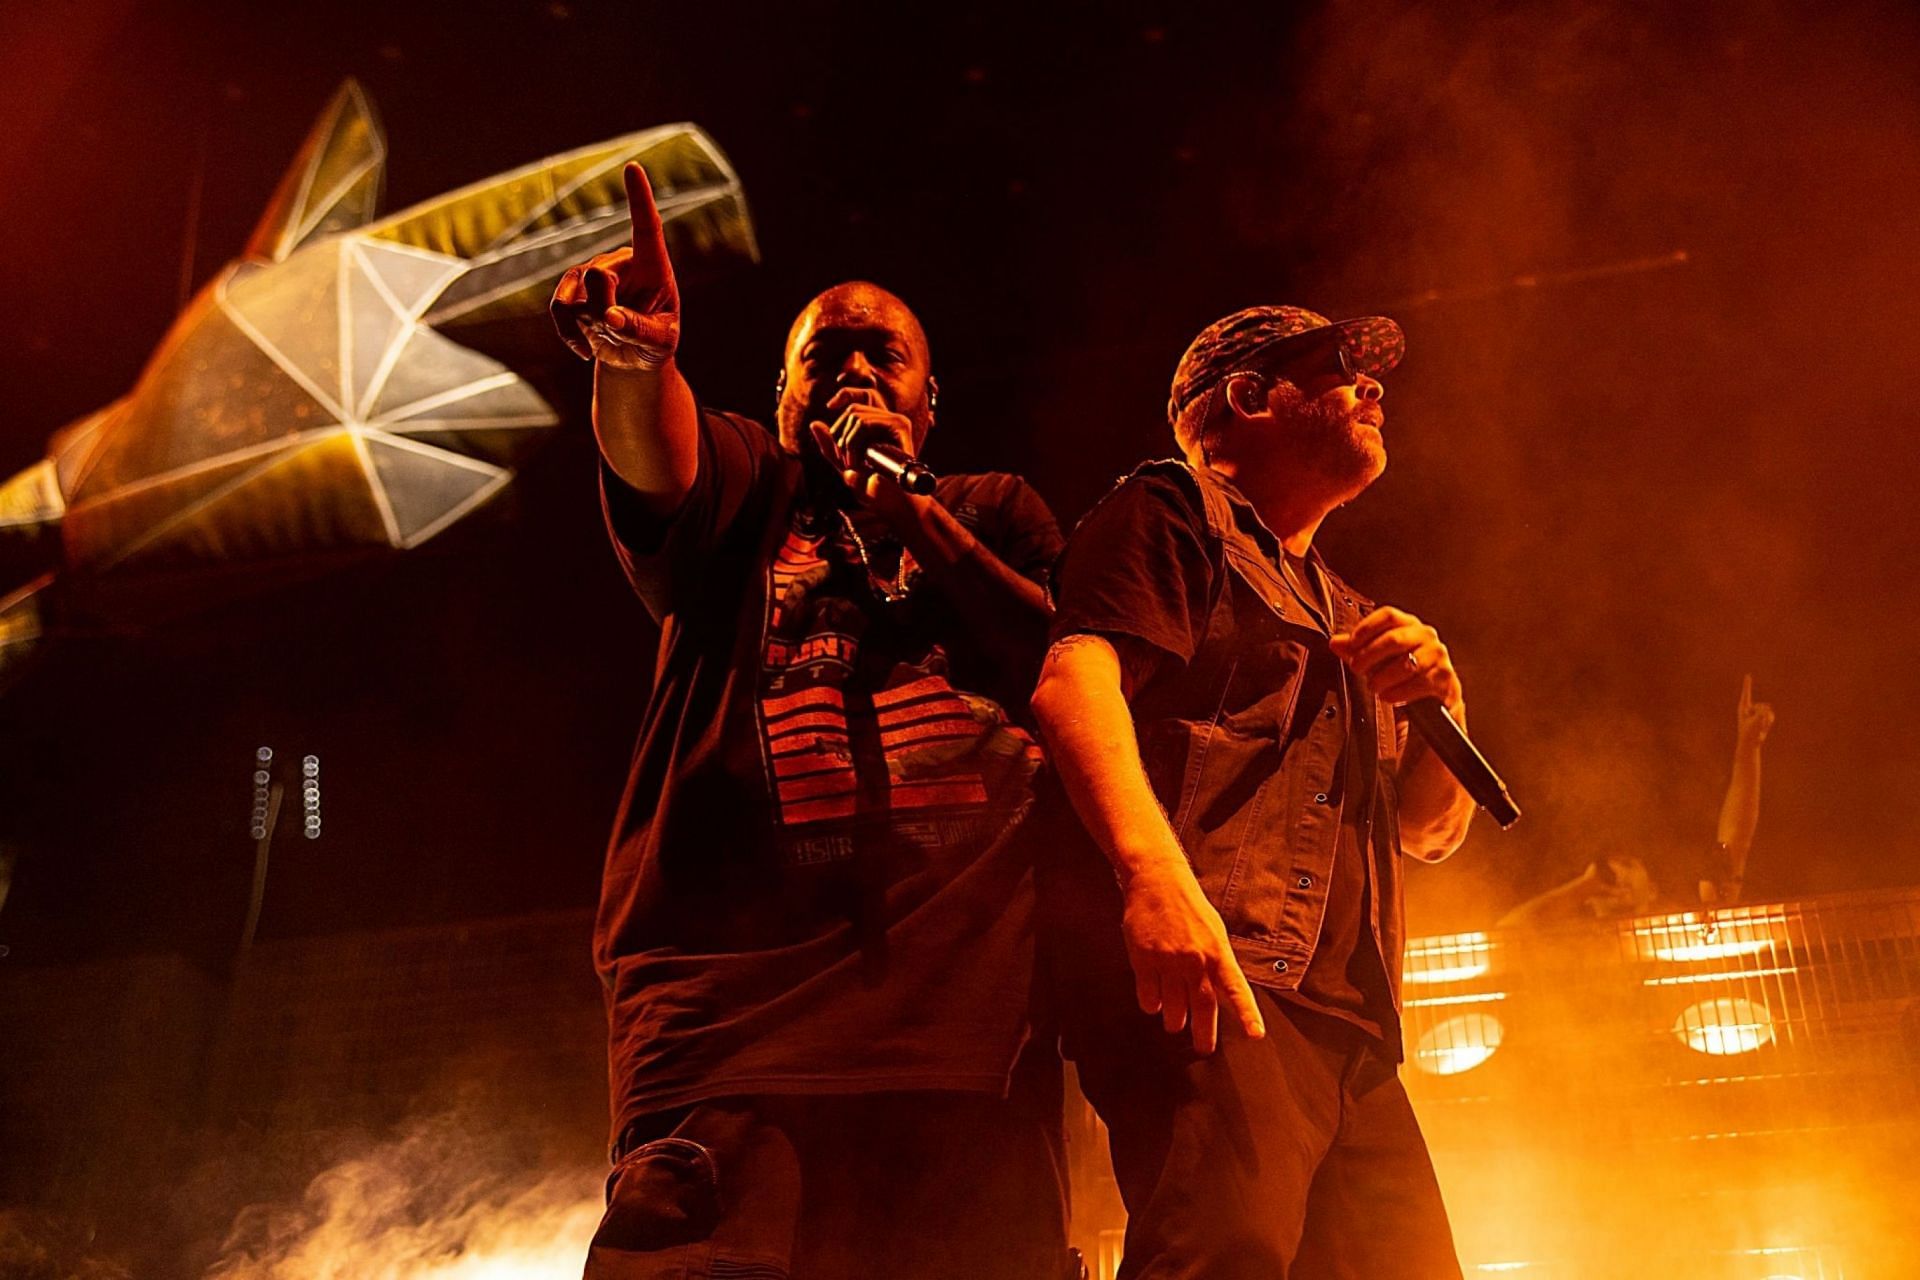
{"x": 935, "y": 1185}
{"x": 1292, "y": 1156}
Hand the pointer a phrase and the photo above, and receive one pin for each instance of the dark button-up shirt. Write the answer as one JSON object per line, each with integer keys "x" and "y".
{"x": 1277, "y": 772}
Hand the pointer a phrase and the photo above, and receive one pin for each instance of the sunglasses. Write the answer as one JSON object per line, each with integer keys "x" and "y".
{"x": 1322, "y": 360}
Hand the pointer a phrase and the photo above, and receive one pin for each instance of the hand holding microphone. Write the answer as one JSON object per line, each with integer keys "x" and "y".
{"x": 1403, "y": 661}
{"x": 873, "y": 448}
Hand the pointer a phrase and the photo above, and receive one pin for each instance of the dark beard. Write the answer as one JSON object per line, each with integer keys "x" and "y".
{"x": 822, "y": 486}
{"x": 1331, "y": 443}
{"x": 790, "y": 425}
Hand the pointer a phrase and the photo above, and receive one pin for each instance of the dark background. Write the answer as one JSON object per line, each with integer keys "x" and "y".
{"x": 1657, "y": 267}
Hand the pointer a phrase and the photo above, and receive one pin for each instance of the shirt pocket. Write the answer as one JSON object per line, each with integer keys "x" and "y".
{"x": 1228, "y": 776}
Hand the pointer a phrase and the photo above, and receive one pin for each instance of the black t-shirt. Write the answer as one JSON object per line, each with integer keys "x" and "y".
{"x": 810, "y": 886}
{"x": 1143, "y": 566}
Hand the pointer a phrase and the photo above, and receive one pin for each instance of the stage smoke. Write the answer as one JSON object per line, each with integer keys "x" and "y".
{"x": 447, "y": 1198}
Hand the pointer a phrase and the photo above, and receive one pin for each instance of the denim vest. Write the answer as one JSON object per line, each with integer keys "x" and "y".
{"x": 1247, "y": 774}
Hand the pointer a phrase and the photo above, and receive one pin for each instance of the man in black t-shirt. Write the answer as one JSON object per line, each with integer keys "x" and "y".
{"x": 1222, "y": 711}
{"x": 814, "y": 929}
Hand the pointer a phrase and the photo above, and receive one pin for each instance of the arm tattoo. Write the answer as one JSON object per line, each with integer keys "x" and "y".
{"x": 1078, "y": 640}
{"x": 1136, "y": 657}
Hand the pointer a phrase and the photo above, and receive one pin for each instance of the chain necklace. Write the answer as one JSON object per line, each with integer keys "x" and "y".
{"x": 903, "y": 575}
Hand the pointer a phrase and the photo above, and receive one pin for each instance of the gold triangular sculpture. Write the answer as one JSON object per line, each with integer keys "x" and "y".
{"x": 334, "y": 182}
{"x": 310, "y": 399}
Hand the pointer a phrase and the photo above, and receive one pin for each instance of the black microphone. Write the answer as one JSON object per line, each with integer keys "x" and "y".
{"x": 909, "y": 473}
{"x": 1463, "y": 760}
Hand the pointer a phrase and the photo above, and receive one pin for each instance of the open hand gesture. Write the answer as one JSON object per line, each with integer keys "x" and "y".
{"x": 623, "y": 308}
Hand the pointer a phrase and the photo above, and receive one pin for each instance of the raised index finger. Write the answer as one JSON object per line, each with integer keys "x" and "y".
{"x": 649, "y": 240}
{"x": 1746, "y": 692}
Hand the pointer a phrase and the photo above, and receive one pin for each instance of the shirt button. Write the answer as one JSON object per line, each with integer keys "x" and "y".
{"x": 1279, "y": 966}
{"x": 1305, "y": 882}
{"x": 1319, "y": 797}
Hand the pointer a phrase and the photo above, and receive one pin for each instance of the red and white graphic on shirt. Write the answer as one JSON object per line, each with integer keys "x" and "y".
{"x": 837, "y": 749}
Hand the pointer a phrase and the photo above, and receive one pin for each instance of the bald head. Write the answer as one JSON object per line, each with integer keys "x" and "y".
{"x": 856, "y": 305}
{"x": 854, "y": 335}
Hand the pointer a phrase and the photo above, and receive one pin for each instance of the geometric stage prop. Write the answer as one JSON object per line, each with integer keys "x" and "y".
{"x": 310, "y": 399}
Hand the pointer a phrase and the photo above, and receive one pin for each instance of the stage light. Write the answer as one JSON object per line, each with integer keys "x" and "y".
{"x": 1728, "y": 1025}
{"x": 1451, "y": 957}
{"x": 1713, "y": 935}
{"x": 1712, "y": 950}
{"x": 1720, "y": 975}
{"x": 1458, "y": 1044}
{"x": 1471, "y": 997}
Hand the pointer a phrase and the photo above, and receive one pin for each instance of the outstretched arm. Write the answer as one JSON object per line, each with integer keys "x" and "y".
{"x": 1006, "y": 612}
{"x": 1740, "y": 810}
{"x": 1558, "y": 905}
{"x": 622, "y": 311}
{"x": 1183, "y": 965}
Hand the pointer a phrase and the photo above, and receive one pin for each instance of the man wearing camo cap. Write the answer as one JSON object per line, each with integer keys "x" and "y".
{"x": 1227, "y": 719}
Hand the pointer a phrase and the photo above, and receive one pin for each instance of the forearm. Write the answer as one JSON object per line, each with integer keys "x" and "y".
{"x": 1088, "y": 727}
{"x": 1740, "y": 811}
{"x": 647, "y": 425}
{"x": 1435, "y": 809}
{"x": 1558, "y": 905}
{"x": 1005, "y": 612}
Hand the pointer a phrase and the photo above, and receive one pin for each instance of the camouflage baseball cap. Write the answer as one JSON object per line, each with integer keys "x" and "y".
{"x": 1252, "y": 338}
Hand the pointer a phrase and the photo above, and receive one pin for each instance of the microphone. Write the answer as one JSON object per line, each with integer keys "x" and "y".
{"x": 909, "y": 473}
{"x": 1463, "y": 760}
